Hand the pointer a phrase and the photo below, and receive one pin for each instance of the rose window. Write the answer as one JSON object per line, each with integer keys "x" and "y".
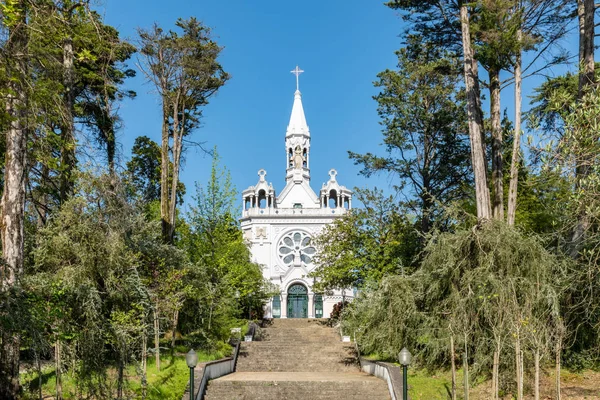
{"x": 296, "y": 246}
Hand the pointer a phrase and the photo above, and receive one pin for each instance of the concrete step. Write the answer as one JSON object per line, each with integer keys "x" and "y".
{"x": 297, "y": 359}
{"x": 296, "y": 390}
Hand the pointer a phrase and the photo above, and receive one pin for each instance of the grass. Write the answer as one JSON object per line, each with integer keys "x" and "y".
{"x": 426, "y": 386}
{"x": 168, "y": 384}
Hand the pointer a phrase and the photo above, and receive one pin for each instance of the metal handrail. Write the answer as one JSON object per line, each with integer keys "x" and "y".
{"x": 208, "y": 373}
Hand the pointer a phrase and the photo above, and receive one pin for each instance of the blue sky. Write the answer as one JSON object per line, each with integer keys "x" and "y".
{"x": 341, "y": 46}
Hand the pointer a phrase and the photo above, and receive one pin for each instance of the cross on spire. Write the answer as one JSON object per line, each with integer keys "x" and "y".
{"x": 297, "y": 71}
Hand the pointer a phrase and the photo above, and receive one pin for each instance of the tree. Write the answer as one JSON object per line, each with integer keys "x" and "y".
{"x": 475, "y": 118}
{"x": 423, "y": 115}
{"x": 144, "y": 171}
{"x": 90, "y": 255}
{"x": 448, "y": 25}
{"x": 13, "y": 197}
{"x": 586, "y": 10}
{"x": 365, "y": 245}
{"x": 184, "y": 70}
{"x": 223, "y": 275}
{"x": 493, "y": 34}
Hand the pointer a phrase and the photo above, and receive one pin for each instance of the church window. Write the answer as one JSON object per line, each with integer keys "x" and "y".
{"x": 262, "y": 199}
{"x": 333, "y": 199}
{"x": 318, "y": 306}
{"x": 304, "y": 162}
{"x": 296, "y": 247}
{"x": 290, "y": 158}
{"x": 276, "y": 307}
{"x": 247, "y": 203}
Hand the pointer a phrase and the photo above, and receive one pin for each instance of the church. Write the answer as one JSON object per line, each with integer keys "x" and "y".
{"x": 280, "y": 226}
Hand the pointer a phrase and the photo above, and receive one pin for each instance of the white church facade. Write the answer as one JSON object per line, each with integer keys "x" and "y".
{"x": 280, "y": 227}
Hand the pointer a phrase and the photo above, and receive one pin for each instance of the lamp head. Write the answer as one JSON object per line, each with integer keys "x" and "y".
{"x": 404, "y": 357}
{"x": 191, "y": 358}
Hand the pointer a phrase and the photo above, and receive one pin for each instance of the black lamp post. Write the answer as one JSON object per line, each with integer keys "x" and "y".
{"x": 404, "y": 357}
{"x": 191, "y": 358}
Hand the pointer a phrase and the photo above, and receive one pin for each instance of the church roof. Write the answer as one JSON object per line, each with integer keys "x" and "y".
{"x": 297, "y": 125}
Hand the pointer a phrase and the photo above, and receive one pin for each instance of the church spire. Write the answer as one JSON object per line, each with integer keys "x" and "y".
{"x": 297, "y": 123}
{"x": 297, "y": 138}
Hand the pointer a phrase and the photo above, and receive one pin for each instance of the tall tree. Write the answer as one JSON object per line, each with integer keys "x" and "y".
{"x": 586, "y": 10}
{"x": 185, "y": 72}
{"x": 475, "y": 118}
{"x": 423, "y": 115}
{"x": 12, "y": 214}
{"x": 144, "y": 171}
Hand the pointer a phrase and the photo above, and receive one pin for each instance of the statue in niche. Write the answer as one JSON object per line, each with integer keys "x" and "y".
{"x": 298, "y": 158}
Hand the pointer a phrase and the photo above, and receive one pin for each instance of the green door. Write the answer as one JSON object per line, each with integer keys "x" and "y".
{"x": 297, "y": 300}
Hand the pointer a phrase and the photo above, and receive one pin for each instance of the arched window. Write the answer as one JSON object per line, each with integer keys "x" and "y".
{"x": 247, "y": 203}
{"x": 262, "y": 199}
{"x": 290, "y": 158}
{"x": 333, "y": 200}
{"x": 305, "y": 159}
{"x": 346, "y": 203}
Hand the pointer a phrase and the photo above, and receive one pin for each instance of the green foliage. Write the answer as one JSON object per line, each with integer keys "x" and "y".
{"x": 383, "y": 317}
{"x": 480, "y": 286}
{"x": 143, "y": 171}
{"x": 364, "y": 245}
{"x": 225, "y": 284}
{"x": 168, "y": 383}
{"x": 86, "y": 272}
{"x": 423, "y": 116}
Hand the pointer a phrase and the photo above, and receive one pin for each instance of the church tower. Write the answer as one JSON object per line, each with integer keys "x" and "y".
{"x": 280, "y": 227}
{"x": 297, "y": 139}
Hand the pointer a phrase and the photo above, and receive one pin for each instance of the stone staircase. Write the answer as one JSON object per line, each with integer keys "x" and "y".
{"x": 297, "y": 359}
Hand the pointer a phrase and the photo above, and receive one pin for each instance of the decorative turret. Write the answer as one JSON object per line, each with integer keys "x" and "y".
{"x": 334, "y": 195}
{"x": 297, "y": 139}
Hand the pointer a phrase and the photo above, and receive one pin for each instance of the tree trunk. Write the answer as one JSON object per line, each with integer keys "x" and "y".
{"x": 58, "y": 369}
{"x": 478, "y": 159}
{"x": 111, "y": 149}
{"x": 156, "y": 338}
{"x": 175, "y": 321}
{"x": 518, "y": 367}
{"x": 144, "y": 383}
{"x": 495, "y": 372}
{"x": 67, "y": 128}
{"x": 537, "y": 375}
{"x": 120, "y": 374}
{"x": 12, "y": 211}
{"x": 516, "y": 151}
{"x": 585, "y": 11}
{"x": 497, "y": 162}
{"x": 466, "y": 373}
{"x": 557, "y": 367}
{"x": 453, "y": 363}
{"x": 164, "y": 177}
{"x": 39, "y": 373}
{"x": 178, "y": 131}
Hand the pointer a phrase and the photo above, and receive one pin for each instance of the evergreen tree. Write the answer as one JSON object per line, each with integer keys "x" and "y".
{"x": 186, "y": 74}
{"x": 423, "y": 114}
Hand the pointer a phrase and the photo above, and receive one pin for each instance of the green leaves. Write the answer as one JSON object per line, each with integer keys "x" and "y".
{"x": 423, "y": 115}
{"x": 364, "y": 245}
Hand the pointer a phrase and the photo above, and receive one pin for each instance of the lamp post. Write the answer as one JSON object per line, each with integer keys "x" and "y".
{"x": 191, "y": 358}
{"x": 404, "y": 357}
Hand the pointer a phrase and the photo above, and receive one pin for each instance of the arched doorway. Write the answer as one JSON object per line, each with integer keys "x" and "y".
{"x": 297, "y": 301}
